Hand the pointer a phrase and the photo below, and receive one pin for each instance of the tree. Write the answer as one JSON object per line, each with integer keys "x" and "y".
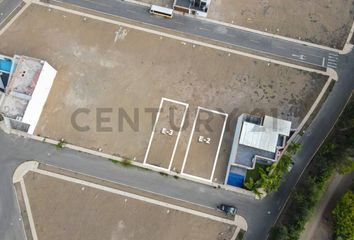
{"x": 345, "y": 165}
{"x": 343, "y": 216}
{"x": 293, "y": 148}
{"x": 278, "y": 233}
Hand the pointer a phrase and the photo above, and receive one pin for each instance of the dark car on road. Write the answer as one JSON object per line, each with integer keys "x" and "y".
{"x": 227, "y": 209}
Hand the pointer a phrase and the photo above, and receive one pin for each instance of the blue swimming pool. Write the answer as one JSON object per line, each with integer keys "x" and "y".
{"x": 235, "y": 180}
{"x": 5, "y": 65}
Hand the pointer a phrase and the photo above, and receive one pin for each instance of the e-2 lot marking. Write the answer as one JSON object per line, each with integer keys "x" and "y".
{"x": 204, "y": 144}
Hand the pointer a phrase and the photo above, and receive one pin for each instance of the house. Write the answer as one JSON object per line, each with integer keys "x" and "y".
{"x": 194, "y": 7}
{"x": 25, "y": 84}
{"x": 256, "y": 139}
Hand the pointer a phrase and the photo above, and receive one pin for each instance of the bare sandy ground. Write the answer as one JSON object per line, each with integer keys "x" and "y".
{"x": 105, "y": 68}
{"x": 66, "y": 210}
{"x": 323, "y": 22}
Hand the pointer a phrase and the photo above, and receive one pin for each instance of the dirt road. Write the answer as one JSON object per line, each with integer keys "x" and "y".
{"x": 319, "y": 228}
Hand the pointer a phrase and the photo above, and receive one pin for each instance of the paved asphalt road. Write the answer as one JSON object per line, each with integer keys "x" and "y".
{"x": 6, "y": 8}
{"x": 257, "y": 43}
{"x": 260, "y": 215}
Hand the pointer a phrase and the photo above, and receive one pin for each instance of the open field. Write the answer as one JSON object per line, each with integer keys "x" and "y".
{"x": 323, "y": 22}
{"x": 62, "y": 209}
{"x": 108, "y": 71}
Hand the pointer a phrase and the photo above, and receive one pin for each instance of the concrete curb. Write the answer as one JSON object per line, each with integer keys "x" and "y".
{"x": 22, "y": 169}
{"x": 351, "y": 33}
{"x": 17, "y": 177}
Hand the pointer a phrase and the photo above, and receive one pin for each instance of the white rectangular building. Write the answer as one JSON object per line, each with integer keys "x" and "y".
{"x": 26, "y": 92}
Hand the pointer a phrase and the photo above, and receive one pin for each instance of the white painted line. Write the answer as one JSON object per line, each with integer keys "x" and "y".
{"x": 174, "y": 101}
{"x": 323, "y": 62}
{"x": 254, "y": 40}
{"x": 332, "y": 63}
{"x": 131, "y": 11}
{"x": 332, "y": 60}
{"x": 28, "y": 209}
{"x": 157, "y": 167}
{"x": 190, "y": 140}
{"x": 195, "y": 177}
{"x": 135, "y": 196}
{"x": 213, "y": 111}
{"x": 205, "y": 29}
{"x": 153, "y": 131}
{"x": 333, "y": 54}
{"x": 219, "y": 144}
{"x": 332, "y": 57}
{"x": 178, "y": 135}
{"x": 218, "y": 151}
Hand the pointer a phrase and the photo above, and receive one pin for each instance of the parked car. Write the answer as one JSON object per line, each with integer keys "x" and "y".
{"x": 227, "y": 209}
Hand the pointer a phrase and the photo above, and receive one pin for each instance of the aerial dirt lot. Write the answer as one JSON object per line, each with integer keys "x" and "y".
{"x": 66, "y": 210}
{"x": 322, "y": 22}
{"x": 102, "y": 66}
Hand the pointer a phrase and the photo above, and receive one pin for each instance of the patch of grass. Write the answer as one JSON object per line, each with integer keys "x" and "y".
{"x": 240, "y": 235}
{"x": 61, "y": 144}
{"x": 163, "y": 174}
{"x": 124, "y": 163}
{"x": 114, "y": 161}
{"x": 128, "y": 164}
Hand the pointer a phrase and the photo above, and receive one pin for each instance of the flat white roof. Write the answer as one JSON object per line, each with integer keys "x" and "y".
{"x": 281, "y": 126}
{"x": 259, "y": 137}
{"x": 39, "y": 97}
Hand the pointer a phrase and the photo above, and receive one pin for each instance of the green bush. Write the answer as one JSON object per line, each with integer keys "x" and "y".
{"x": 61, "y": 143}
{"x": 278, "y": 233}
{"x": 343, "y": 216}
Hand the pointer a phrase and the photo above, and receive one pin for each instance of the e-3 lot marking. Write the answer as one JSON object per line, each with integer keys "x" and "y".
{"x": 165, "y": 134}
